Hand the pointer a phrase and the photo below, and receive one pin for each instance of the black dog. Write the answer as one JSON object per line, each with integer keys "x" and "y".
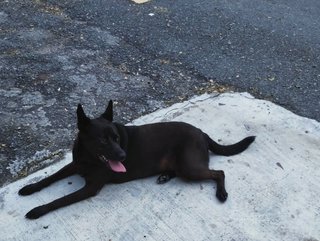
{"x": 108, "y": 152}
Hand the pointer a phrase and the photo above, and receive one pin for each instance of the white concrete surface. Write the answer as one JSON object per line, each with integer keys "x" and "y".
{"x": 274, "y": 186}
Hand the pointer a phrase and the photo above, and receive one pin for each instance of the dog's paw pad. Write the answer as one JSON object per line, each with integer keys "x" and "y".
{"x": 37, "y": 212}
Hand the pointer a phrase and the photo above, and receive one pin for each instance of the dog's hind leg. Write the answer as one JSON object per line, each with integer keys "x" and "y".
{"x": 166, "y": 177}
{"x": 203, "y": 174}
{"x": 66, "y": 171}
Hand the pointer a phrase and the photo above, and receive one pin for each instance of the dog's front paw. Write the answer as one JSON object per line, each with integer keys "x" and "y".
{"x": 37, "y": 212}
{"x": 163, "y": 178}
{"x": 29, "y": 189}
{"x": 222, "y": 195}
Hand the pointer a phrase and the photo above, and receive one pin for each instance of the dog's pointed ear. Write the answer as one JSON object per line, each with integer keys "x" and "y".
{"x": 83, "y": 120}
{"x": 108, "y": 114}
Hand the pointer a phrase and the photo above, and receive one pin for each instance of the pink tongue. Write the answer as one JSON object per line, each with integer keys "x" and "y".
{"x": 117, "y": 166}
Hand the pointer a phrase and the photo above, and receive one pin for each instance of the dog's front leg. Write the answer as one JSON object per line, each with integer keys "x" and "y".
{"x": 66, "y": 171}
{"x": 87, "y": 191}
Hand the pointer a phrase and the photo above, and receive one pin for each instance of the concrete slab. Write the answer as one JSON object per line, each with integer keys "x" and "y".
{"x": 273, "y": 186}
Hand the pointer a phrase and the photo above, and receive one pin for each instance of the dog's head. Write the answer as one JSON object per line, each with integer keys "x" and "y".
{"x": 101, "y": 138}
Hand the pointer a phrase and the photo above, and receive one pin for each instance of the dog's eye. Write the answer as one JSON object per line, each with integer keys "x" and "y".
{"x": 103, "y": 140}
{"x": 116, "y": 138}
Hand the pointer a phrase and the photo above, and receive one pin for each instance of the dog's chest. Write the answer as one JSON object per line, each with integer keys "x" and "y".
{"x": 86, "y": 169}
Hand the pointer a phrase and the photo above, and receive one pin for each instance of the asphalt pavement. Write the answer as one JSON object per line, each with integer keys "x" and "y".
{"x": 55, "y": 54}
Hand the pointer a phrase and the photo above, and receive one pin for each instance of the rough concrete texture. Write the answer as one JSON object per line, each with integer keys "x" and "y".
{"x": 273, "y": 186}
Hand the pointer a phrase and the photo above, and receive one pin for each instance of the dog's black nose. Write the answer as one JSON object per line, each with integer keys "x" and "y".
{"x": 122, "y": 156}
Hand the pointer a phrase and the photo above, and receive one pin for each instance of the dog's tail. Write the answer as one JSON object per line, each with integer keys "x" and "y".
{"x": 229, "y": 150}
